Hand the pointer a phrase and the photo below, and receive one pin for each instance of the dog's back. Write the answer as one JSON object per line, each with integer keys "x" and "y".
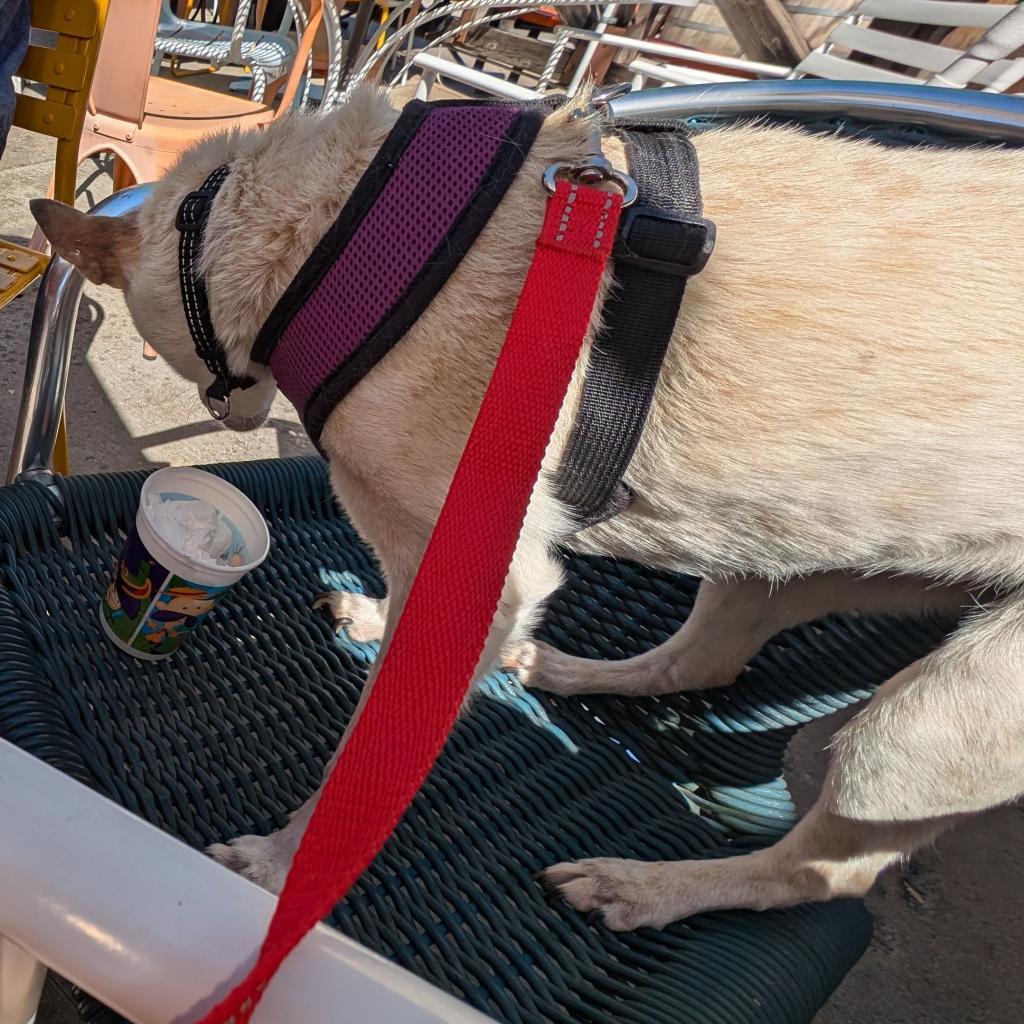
{"x": 843, "y": 389}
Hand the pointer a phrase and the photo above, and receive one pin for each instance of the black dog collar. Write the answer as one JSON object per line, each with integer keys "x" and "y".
{"x": 191, "y": 224}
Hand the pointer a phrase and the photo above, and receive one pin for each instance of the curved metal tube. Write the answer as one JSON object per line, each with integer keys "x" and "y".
{"x": 980, "y": 114}
{"x": 49, "y": 354}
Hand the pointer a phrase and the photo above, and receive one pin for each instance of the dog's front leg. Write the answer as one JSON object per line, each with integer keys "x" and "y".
{"x": 940, "y": 740}
{"x": 265, "y": 860}
{"x": 730, "y": 622}
{"x": 533, "y": 576}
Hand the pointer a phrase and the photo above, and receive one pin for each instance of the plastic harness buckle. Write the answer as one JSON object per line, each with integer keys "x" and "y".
{"x": 651, "y": 238}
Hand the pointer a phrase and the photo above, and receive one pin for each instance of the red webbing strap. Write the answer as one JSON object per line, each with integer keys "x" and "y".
{"x": 430, "y": 662}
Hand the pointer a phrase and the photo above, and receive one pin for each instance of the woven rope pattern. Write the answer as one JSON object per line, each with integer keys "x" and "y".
{"x": 232, "y": 732}
{"x": 268, "y": 52}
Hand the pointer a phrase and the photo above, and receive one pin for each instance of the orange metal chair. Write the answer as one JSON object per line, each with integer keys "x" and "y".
{"x": 146, "y": 120}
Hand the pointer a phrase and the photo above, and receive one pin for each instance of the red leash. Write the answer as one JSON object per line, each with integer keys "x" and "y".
{"x": 407, "y": 717}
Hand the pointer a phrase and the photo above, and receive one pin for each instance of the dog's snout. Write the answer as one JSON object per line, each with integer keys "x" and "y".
{"x": 246, "y": 409}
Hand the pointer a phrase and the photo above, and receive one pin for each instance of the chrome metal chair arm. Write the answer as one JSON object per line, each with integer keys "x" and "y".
{"x": 49, "y": 354}
{"x": 990, "y": 116}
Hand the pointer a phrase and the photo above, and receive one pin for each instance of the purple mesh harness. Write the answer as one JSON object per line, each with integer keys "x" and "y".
{"x": 414, "y": 214}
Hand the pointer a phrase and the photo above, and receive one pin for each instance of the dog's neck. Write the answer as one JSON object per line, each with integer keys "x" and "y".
{"x": 418, "y": 209}
{"x": 296, "y": 179}
{"x": 396, "y": 438}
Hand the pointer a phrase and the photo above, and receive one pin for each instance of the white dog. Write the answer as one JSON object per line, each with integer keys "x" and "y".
{"x": 838, "y": 426}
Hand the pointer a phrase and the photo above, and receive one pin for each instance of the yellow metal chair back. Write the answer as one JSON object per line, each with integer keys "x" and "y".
{"x": 66, "y": 69}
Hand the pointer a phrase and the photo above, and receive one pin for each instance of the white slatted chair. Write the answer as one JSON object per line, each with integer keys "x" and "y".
{"x": 989, "y": 63}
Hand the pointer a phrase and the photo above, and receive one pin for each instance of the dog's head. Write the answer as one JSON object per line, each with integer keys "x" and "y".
{"x": 138, "y": 254}
{"x": 265, "y": 220}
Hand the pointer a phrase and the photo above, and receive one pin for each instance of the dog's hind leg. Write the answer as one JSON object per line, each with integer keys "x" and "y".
{"x": 730, "y": 622}
{"x": 942, "y": 739}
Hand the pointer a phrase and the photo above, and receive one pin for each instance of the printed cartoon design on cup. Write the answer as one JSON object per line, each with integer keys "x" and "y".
{"x": 179, "y": 608}
{"x": 149, "y": 608}
{"x": 158, "y": 593}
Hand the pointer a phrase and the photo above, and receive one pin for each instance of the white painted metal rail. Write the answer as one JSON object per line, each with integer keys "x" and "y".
{"x": 152, "y": 927}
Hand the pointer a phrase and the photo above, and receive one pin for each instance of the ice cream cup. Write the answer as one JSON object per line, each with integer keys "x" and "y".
{"x": 162, "y": 588}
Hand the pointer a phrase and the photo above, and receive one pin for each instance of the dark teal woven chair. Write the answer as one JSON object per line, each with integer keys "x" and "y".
{"x": 230, "y": 734}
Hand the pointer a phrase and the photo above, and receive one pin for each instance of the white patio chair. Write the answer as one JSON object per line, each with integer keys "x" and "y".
{"x": 989, "y": 63}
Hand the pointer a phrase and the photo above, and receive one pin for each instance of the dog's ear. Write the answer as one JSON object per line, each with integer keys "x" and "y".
{"x": 104, "y": 249}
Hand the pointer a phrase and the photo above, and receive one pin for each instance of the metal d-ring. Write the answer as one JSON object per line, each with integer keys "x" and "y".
{"x": 218, "y": 408}
{"x": 595, "y": 170}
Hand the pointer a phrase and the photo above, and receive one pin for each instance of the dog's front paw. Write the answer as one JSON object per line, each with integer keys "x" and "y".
{"x": 361, "y": 617}
{"x": 261, "y": 859}
{"x": 623, "y": 894}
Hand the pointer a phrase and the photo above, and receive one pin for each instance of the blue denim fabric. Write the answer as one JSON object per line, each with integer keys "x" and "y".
{"x": 13, "y": 43}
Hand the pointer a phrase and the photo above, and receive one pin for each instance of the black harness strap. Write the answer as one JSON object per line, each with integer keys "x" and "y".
{"x": 663, "y": 240}
{"x": 191, "y": 225}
